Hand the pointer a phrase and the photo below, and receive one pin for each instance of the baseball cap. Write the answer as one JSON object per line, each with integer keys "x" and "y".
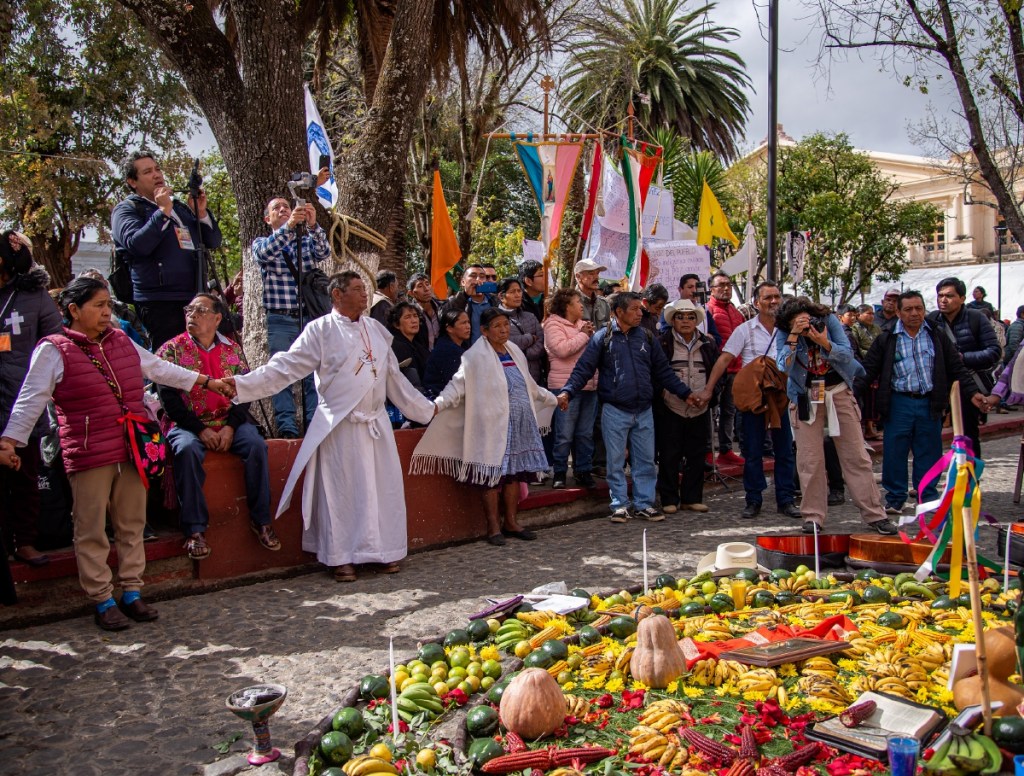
{"x": 586, "y": 265}
{"x": 892, "y": 292}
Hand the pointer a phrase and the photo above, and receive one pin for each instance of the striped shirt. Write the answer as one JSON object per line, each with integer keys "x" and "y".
{"x": 279, "y": 289}
{"x": 914, "y": 361}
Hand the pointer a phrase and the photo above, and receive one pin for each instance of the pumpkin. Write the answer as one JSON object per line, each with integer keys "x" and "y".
{"x": 533, "y": 704}
{"x": 657, "y": 659}
{"x": 967, "y": 692}
{"x": 1000, "y": 652}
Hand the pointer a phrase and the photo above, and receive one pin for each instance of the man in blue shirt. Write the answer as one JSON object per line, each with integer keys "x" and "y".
{"x": 470, "y": 299}
{"x": 631, "y": 365}
{"x": 915, "y": 365}
{"x": 280, "y": 294}
{"x": 160, "y": 237}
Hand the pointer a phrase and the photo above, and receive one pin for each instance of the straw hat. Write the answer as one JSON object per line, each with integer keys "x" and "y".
{"x": 731, "y": 555}
{"x": 682, "y": 306}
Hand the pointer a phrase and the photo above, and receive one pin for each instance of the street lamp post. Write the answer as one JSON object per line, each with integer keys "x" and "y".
{"x": 1000, "y": 234}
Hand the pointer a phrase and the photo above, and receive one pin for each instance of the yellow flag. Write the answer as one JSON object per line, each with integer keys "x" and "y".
{"x": 712, "y": 221}
{"x": 444, "y": 245}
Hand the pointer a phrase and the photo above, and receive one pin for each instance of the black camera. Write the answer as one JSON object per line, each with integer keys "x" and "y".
{"x": 817, "y": 323}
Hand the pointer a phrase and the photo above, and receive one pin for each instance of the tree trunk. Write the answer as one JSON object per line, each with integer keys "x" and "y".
{"x": 53, "y": 252}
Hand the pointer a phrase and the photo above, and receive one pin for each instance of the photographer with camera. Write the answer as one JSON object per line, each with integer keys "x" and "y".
{"x": 273, "y": 255}
{"x": 161, "y": 240}
{"x": 813, "y": 350}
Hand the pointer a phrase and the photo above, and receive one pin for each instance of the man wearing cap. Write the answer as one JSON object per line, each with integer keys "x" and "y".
{"x": 595, "y": 307}
{"x": 682, "y": 431}
{"x": 886, "y": 317}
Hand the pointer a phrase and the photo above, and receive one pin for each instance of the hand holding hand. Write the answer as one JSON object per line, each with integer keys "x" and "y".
{"x": 223, "y": 387}
{"x": 162, "y": 196}
{"x": 7, "y": 455}
{"x": 982, "y": 402}
{"x": 201, "y": 211}
{"x": 694, "y": 400}
{"x": 210, "y": 439}
{"x": 563, "y": 401}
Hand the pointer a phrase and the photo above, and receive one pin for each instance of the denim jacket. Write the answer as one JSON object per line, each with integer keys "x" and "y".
{"x": 841, "y": 358}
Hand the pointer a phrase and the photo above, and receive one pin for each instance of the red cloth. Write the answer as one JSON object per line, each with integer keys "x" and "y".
{"x": 836, "y": 628}
{"x": 727, "y": 318}
{"x": 212, "y": 361}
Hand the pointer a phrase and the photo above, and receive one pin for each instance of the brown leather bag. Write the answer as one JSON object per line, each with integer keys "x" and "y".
{"x": 760, "y": 387}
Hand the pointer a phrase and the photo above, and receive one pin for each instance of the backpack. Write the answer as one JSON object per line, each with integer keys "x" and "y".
{"x": 120, "y": 277}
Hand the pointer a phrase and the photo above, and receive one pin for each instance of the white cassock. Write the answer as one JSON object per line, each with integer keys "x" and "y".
{"x": 353, "y": 499}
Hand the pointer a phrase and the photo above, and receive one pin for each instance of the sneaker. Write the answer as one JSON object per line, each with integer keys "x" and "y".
{"x": 558, "y": 483}
{"x": 650, "y": 514}
{"x": 670, "y": 509}
{"x": 729, "y": 458}
{"x": 884, "y": 527}
{"x": 891, "y": 510}
{"x": 585, "y": 480}
{"x": 621, "y": 515}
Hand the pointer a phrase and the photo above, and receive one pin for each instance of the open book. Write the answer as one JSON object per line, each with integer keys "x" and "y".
{"x": 893, "y": 717}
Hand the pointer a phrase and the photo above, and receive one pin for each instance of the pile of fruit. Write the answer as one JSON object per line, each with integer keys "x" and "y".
{"x": 633, "y": 682}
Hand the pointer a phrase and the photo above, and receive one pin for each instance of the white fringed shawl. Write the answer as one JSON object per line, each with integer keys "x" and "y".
{"x": 466, "y": 440}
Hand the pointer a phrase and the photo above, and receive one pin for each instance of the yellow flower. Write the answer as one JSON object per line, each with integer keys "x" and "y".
{"x": 597, "y": 683}
{"x": 673, "y": 687}
{"x": 490, "y": 653}
{"x": 568, "y": 686}
{"x": 786, "y": 670}
{"x": 754, "y": 696}
{"x": 613, "y": 685}
{"x": 693, "y": 692}
{"x": 635, "y": 685}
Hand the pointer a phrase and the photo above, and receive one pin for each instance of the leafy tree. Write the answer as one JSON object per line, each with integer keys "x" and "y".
{"x": 857, "y": 229}
{"x": 670, "y": 63}
{"x": 980, "y": 47}
{"x": 78, "y": 86}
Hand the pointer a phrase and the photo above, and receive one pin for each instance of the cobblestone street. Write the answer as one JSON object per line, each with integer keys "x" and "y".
{"x": 150, "y": 700}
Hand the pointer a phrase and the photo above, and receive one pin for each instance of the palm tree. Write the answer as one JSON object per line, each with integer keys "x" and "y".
{"x": 668, "y": 63}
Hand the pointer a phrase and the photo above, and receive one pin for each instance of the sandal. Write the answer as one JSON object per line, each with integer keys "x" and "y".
{"x": 266, "y": 536}
{"x": 196, "y": 547}
{"x": 346, "y": 573}
{"x": 392, "y": 568}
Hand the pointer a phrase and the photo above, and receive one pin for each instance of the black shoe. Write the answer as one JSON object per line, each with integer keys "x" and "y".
{"x": 585, "y": 480}
{"x": 148, "y": 534}
{"x": 751, "y": 510}
{"x": 289, "y": 435}
{"x": 525, "y": 535}
{"x": 497, "y": 540}
{"x": 836, "y": 497}
{"x": 559, "y": 482}
{"x": 790, "y": 510}
{"x": 884, "y": 527}
{"x": 808, "y": 527}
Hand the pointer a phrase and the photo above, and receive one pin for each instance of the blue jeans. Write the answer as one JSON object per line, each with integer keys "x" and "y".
{"x": 909, "y": 426}
{"x": 282, "y": 331}
{"x": 189, "y": 475}
{"x": 755, "y": 430}
{"x": 636, "y": 429}
{"x": 574, "y": 429}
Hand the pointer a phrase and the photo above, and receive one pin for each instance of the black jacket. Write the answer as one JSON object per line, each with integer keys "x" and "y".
{"x": 974, "y": 338}
{"x": 27, "y": 314}
{"x": 949, "y": 367}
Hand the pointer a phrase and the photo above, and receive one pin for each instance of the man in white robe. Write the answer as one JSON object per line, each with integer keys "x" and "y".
{"x": 353, "y": 499}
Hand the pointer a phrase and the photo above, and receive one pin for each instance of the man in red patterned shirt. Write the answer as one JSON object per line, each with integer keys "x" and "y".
{"x": 726, "y": 318}
{"x": 204, "y": 420}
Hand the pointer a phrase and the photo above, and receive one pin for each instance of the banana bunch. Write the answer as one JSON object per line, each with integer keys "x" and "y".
{"x": 794, "y": 585}
{"x": 952, "y": 618}
{"x": 582, "y": 616}
{"x": 715, "y": 629}
{"x": 664, "y": 715}
{"x": 965, "y": 752}
{"x": 934, "y": 655}
{"x": 759, "y": 680}
{"x": 727, "y": 670}
{"x": 537, "y": 619}
{"x": 916, "y": 611}
{"x": 565, "y": 772}
{"x": 894, "y": 685}
{"x": 419, "y": 698}
{"x": 692, "y": 626}
{"x": 860, "y": 646}
{"x": 654, "y": 746}
{"x": 510, "y": 633}
{"x": 667, "y": 602}
{"x": 825, "y": 688}
{"x": 819, "y": 666}
{"x": 576, "y": 706}
{"x": 622, "y": 662}
{"x": 364, "y": 765}
{"x": 902, "y": 666}
{"x": 703, "y": 672}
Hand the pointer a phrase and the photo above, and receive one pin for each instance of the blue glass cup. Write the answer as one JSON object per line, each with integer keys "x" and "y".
{"x": 903, "y": 753}
{"x": 1018, "y": 765}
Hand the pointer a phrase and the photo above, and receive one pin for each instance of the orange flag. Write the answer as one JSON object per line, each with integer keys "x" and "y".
{"x": 444, "y": 246}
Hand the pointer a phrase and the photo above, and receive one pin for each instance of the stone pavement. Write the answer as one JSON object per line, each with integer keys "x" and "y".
{"x": 150, "y": 700}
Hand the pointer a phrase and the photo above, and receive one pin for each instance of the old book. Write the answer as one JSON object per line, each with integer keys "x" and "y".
{"x": 893, "y": 716}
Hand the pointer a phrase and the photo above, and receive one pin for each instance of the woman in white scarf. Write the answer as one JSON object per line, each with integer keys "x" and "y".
{"x": 488, "y": 428}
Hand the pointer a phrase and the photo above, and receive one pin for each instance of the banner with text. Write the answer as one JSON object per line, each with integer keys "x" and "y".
{"x": 671, "y": 259}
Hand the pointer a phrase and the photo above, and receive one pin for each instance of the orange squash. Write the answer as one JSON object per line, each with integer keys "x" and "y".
{"x": 533, "y": 705}
{"x": 967, "y": 692}
{"x": 657, "y": 659}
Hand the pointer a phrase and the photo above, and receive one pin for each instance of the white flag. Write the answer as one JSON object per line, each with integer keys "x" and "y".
{"x": 316, "y": 138}
{"x": 745, "y": 258}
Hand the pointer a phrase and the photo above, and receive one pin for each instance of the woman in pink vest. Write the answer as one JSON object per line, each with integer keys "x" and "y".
{"x": 80, "y": 370}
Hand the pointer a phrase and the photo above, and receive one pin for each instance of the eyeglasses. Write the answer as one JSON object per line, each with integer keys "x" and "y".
{"x": 685, "y": 317}
{"x": 195, "y": 309}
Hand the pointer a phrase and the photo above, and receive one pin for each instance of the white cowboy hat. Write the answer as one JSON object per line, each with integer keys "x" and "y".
{"x": 682, "y": 306}
{"x": 731, "y": 555}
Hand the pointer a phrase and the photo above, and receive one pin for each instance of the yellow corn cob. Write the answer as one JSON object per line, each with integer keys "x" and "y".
{"x": 548, "y": 633}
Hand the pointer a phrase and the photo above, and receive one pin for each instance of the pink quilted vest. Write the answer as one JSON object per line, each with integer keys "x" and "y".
{"x": 87, "y": 410}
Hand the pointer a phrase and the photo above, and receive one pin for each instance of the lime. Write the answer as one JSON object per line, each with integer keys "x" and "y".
{"x": 374, "y": 686}
{"x": 458, "y": 672}
{"x": 474, "y": 669}
{"x": 336, "y": 747}
{"x": 493, "y": 625}
{"x": 486, "y": 683}
{"x": 801, "y": 569}
{"x": 348, "y": 721}
{"x": 522, "y": 649}
{"x": 459, "y": 658}
{"x": 440, "y": 687}
{"x": 574, "y": 661}
{"x": 491, "y": 668}
{"x": 466, "y": 687}
{"x": 709, "y": 588}
{"x": 563, "y": 677}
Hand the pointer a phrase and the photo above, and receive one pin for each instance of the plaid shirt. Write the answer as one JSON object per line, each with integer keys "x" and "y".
{"x": 914, "y": 361}
{"x": 279, "y": 289}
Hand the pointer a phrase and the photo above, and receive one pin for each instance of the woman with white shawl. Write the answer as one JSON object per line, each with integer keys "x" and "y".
{"x": 486, "y": 436}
